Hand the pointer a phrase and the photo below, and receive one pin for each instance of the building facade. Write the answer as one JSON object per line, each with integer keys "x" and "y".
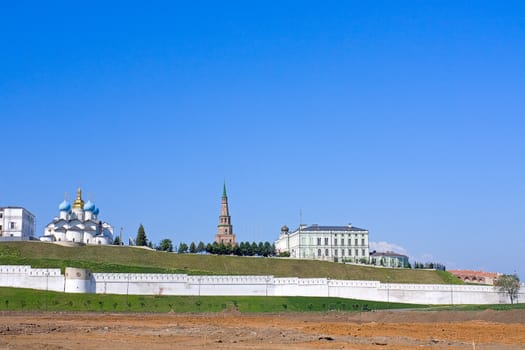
{"x": 389, "y": 259}
{"x": 334, "y": 243}
{"x": 78, "y": 224}
{"x": 225, "y": 233}
{"x": 477, "y": 277}
{"x": 16, "y": 223}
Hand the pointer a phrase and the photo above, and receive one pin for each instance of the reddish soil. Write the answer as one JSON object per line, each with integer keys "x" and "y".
{"x": 494, "y": 330}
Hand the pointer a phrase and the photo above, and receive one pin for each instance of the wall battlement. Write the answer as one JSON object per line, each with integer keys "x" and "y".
{"x": 83, "y": 281}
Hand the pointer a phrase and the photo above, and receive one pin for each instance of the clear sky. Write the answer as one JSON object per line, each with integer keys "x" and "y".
{"x": 405, "y": 118}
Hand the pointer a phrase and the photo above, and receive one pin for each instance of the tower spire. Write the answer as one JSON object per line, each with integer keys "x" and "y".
{"x": 225, "y": 233}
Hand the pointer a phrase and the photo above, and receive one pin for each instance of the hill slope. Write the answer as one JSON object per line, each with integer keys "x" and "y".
{"x": 132, "y": 259}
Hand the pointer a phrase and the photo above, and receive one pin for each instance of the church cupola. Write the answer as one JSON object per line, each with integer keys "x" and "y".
{"x": 64, "y": 208}
{"x": 78, "y": 206}
{"x": 78, "y": 203}
{"x": 89, "y": 206}
{"x": 89, "y": 209}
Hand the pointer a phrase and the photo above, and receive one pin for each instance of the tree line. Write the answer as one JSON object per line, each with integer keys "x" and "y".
{"x": 241, "y": 249}
{"x": 429, "y": 265}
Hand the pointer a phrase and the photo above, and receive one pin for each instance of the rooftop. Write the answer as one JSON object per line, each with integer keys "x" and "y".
{"x": 391, "y": 254}
{"x": 317, "y": 228}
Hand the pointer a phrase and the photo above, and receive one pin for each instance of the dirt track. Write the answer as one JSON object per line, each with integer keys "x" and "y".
{"x": 495, "y": 330}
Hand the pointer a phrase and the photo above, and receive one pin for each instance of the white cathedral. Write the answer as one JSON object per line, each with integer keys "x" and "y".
{"x": 78, "y": 224}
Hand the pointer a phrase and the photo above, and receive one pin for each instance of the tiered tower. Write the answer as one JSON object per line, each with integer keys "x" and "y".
{"x": 224, "y": 228}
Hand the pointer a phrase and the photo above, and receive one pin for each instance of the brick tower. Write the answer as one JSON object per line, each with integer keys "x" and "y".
{"x": 224, "y": 228}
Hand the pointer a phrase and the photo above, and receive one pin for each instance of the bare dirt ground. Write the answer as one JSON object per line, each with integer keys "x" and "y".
{"x": 494, "y": 330}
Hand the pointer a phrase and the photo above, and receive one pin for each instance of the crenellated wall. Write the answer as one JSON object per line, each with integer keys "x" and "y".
{"x": 83, "y": 281}
{"x": 26, "y": 277}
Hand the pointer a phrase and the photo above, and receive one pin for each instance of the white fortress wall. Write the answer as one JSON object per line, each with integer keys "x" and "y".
{"x": 178, "y": 284}
{"x": 21, "y": 276}
{"x": 83, "y": 281}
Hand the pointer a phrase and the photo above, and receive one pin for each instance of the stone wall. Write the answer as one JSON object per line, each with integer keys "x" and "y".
{"x": 83, "y": 281}
{"x": 27, "y": 277}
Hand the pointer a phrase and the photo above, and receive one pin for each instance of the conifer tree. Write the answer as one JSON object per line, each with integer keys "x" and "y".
{"x": 201, "y": 247}
{"x": 141, "y": 239}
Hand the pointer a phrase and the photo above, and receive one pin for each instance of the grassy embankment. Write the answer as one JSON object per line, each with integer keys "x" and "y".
{"x": 18, "y": 299}
{"x": 129, "y": 259}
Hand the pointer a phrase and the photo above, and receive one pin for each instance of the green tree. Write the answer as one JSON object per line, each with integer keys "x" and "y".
{"x": 165, "y": 245}
{"x": 242, "y": 249}
{"x": 201, "y": 247}
{"x": 268, "y": 249}
{"x": 236, "y": 250}
{"x": 255, "y": 249}
{"x": 183, "y": 248}
{"x": 509, "y": 284}
{"x": 116, "y": 241}
{"x": 193, "y": 248}
{"x": 141, "y": 239}
{"x": 260, "y": 249}
{"x": 215, "y": 248}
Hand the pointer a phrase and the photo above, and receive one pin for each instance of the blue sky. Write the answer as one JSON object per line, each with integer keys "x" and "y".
{"x": 405, "y": 118}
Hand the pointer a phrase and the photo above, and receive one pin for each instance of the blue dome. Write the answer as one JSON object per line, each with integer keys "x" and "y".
{"x": 64, "y": 206}
{"x": 89, "y": 206}
{"x": 96, "y": 211}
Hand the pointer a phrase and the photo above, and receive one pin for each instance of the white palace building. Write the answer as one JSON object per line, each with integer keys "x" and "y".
{"x": 78, "y": 224}
{"x": 16, "y": 224}
{"x": 334, "y": 243}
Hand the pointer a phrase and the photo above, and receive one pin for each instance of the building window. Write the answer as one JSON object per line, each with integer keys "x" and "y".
{"x": 356, "y": 242}
{"x": 326, "y": 241}
{"x": 362, "y": 241}
{"x": 12, "y": 225}
{"x": 1, "y": 215}
{"x": 357, "y": 252}
{"x": 335, "y": 252}
{"x": 342, "y": 252}
{"x": 326, "y": 253}
{"x": 318, "y": 241}
{"x": 342, "y": 241}
{"x": 335, "y": 241}
{"x": 319, "y": 251}
{"x": 350, "y": 252}
{"x": 363, "y": 252}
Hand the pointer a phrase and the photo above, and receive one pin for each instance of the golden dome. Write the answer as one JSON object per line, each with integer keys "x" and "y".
{"x": 78, "y": 203}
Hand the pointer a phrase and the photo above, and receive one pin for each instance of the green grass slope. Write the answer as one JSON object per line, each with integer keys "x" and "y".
{"x": 130, "y": 259}
{"x": 18, "y": 299}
